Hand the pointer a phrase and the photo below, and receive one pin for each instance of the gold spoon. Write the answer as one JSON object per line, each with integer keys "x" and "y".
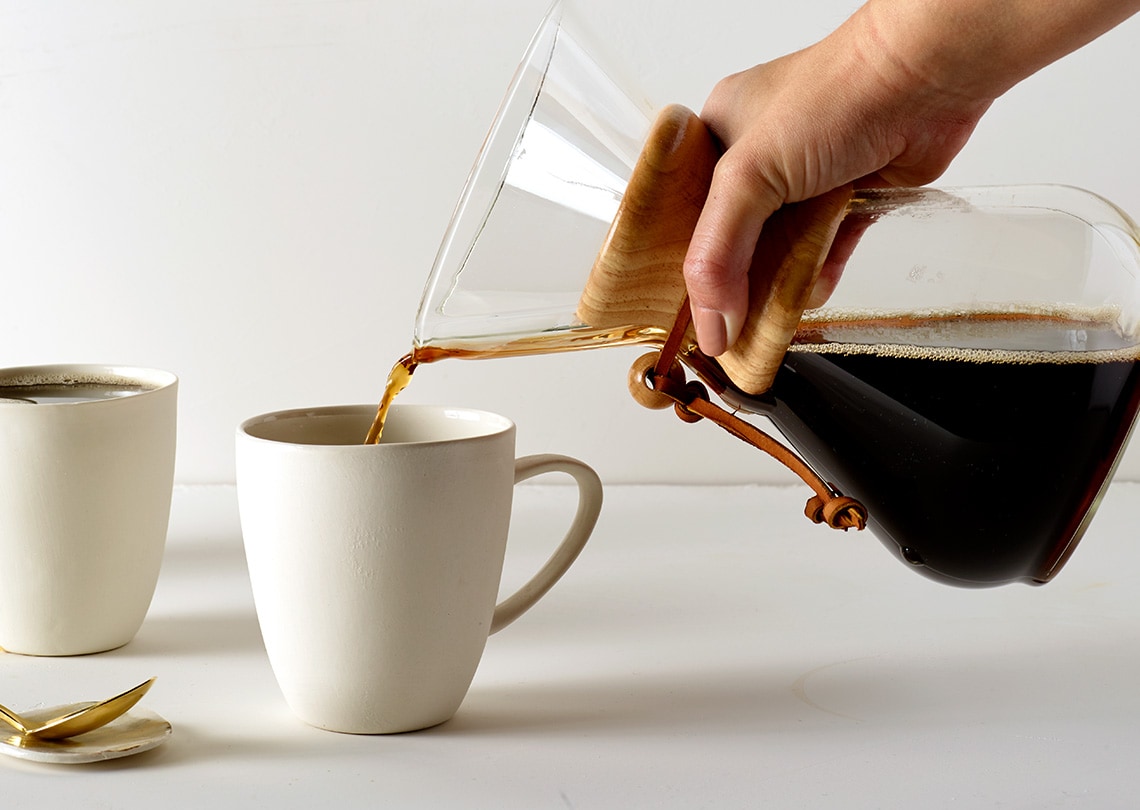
{"x": 79, "y": 717}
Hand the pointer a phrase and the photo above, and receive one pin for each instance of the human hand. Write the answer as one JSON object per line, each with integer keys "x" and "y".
{"x": 845, "y": 110}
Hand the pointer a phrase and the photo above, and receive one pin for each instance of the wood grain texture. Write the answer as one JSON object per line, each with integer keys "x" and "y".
{"x": 637, "y": 278}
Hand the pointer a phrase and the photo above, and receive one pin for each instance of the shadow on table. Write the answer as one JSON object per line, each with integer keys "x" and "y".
{"x": 195, "y": 635}
{"x": 1022, "y": 687}
{"x": 633, "y": 704}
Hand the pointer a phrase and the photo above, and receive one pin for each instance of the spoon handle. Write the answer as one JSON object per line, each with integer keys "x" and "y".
{"x": 13, "y": 719}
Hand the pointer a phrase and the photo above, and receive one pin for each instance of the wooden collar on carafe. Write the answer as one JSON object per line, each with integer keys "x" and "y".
{"x": 637, "y": 279}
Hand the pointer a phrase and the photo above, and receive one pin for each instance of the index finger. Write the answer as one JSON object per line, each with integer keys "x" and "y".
{"x": 720, "y": 251}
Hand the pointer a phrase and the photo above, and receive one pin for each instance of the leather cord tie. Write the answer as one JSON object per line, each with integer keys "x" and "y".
{"x": 690, "y": 400}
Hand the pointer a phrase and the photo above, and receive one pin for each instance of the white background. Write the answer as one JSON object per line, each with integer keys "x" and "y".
{"x": 250, "y": 194}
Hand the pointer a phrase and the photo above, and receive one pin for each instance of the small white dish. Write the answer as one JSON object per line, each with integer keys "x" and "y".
{"x": 136, "y": 731}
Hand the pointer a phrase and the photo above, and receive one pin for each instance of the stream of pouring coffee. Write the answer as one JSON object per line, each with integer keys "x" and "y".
{"x": 401, "y": 373}
{"x": 398, "y": 379}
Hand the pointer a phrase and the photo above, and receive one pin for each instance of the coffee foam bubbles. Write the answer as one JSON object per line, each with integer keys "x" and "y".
{"x": 36, "y": 379}
{"x": 972, "y": 336}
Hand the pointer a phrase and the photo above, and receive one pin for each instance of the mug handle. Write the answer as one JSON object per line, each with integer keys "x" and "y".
{"x": 589, "y": 506}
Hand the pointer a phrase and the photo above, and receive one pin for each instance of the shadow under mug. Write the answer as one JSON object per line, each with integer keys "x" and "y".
{"x": 376, "y": 568}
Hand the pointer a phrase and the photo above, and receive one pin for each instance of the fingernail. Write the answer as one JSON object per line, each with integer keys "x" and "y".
{"x": 712, "y": 332}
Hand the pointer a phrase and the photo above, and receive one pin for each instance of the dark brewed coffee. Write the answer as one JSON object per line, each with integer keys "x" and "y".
{"x": 978, "y": 466}
{"x": 51, "y": 393}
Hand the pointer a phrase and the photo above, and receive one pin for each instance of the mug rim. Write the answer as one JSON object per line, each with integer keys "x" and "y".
{"x": 496, "y": 423}
{"x": 151, "y": 379}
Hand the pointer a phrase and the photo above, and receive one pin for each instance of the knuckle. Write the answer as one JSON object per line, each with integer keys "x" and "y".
{"x": 750, "y": 178}
{"x": 720, "y": 100}
{"x": 707, "y": 276}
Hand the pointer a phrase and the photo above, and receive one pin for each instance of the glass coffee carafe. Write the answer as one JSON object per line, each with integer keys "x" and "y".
{"x": 960, "y": 363}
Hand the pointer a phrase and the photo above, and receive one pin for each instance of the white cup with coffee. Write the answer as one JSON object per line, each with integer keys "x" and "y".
{"x": 376, "y": 567}
{"x": 86, "y": 474}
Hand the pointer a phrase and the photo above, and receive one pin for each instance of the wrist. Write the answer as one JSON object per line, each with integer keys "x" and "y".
{"x": 979, "y": 49}
{"x": 932, "y": 48}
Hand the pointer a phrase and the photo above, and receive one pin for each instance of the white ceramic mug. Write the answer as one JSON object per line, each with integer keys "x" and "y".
{"x": 86, "y": 473}
{"x": 375, "y": 568}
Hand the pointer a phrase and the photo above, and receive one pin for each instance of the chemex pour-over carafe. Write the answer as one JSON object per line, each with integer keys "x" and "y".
{"x": 966, "y": 387}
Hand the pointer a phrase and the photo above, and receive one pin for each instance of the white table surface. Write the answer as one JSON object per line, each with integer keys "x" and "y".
{"x": 711, "y": 648}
